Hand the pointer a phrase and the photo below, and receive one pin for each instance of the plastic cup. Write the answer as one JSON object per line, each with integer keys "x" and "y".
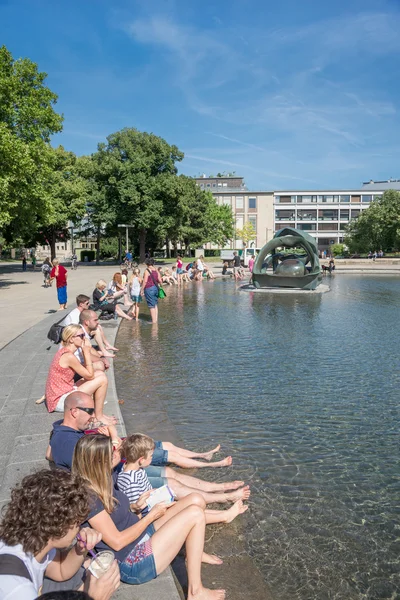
{"x": 101, "y": 563}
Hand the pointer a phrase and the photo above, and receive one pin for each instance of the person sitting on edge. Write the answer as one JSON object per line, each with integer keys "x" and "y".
{"x": 105, "y": 303}
{"x": 89, "y": 321}
{"x": 72, "y": 318}
{"x": 143, "y": 547}
{"x": 78, "y": 415}
{"x": 138, "y": 451}
{"x": 41, "y": 522}
{"x": 61, "y": 378}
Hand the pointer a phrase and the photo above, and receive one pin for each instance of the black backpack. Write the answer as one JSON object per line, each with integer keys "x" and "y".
{"x": 55, "y": 332}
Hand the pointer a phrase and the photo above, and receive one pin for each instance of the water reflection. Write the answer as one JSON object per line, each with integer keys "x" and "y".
{"x": 303, "y": 392}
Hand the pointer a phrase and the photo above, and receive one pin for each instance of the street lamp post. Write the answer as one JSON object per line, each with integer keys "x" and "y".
{"x": 127, "y": 238}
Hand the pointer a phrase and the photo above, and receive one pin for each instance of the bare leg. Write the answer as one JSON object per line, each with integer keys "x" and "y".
{"x": 100, "y": 342}
{"x": 200, "y": 484}
{"x": 225, "y": 516}
{"x": 136, "y": 311}
{"x": 121, "y": 313}
{"x": 189, "y": 526}
{"x": 183, "y": 491}
{"x": 98, "y": 388}
{"x": 105, "y": 341}
{"x": 190, "y": 463}
{"x": 188, "y": 453}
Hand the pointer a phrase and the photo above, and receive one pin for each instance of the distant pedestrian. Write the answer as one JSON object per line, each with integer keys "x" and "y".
{"x": 33, "y": 260}
{"x": 46, "y": 268}
{"x": 252, "y": 260}
{"x": 59, "y": 273}
{"x": 24, "y": 262}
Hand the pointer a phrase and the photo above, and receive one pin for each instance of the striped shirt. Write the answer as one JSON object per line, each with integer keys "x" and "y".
{"x": 134, "y": 484}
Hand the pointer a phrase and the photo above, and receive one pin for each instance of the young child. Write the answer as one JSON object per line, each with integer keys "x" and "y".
{"x": 138, "y": 451}
{"x": 134, "y": 286}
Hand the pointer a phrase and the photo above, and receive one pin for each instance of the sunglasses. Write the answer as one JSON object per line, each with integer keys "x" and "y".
{"x": 81, "y": 335}
{"x": 89, "y": 411}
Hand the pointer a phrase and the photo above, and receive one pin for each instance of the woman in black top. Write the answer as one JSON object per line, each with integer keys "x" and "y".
{"x": 102, "y": 301}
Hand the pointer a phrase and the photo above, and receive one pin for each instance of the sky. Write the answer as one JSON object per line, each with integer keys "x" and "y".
{"x": 294, "y": 94}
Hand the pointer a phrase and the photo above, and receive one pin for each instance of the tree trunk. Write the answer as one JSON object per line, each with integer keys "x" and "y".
{"x": 167, "y": 247}
{"x": 142, "y": 245}
{"x": 53, "y": 244}
{"x": 98, "y": 245}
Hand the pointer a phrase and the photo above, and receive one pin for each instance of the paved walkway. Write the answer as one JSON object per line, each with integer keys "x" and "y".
{"x": 24, "y": 364}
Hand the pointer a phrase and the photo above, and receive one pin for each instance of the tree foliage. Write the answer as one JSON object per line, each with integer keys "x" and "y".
{"x": 247, "y": 234}
{"x": 377, "y": 227}
{"x": 27, "y": 120}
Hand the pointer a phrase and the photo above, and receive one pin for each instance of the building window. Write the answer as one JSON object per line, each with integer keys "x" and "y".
{"x": 219, "y": 184}
{"x": 227, "y": 200}
{"x": 344, "y": 215}
{"x": 224, "y": 185}
{"x": 239, "y": 202}
{"x": 208, "y": 184}
{"x": 214, "y": 185}
{"x": 345, "y": 198}
{"x": 252, "y": 203}
{"x": 239, "y": 222}
{"x": 367, "y": 198}
{"x": 307, "y": 226}
{"x": 253, "y": 221}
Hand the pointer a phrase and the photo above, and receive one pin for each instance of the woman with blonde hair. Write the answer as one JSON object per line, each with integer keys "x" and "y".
{"x": 143, "y": 547}
{"x": 106, "y": 303}
{"x": 65, "y": 366}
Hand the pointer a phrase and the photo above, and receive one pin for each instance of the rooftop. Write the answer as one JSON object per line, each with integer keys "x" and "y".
{"x": 388, "y": 184}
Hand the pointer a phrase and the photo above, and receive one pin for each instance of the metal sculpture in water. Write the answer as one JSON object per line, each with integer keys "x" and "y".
{"x": 289, "y": 260}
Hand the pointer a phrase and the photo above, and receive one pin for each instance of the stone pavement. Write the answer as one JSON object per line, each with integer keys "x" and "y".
{"x": 25, "y": 426}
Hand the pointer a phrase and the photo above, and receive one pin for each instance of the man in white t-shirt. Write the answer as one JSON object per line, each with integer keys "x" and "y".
{"x": 82, "y": 302}
{"x": 38, "y": 539}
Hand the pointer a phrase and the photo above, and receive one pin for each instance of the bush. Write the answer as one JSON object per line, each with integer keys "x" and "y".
{"x": 337, "y": 249}
{"x": 91, "y": 255}
{"x": 208, "y": 253}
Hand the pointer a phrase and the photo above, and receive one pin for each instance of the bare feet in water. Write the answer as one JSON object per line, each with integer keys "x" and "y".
{"x": 212, "y": 559}
{"x": 210, "y": 454}
{"x": 107, "y": 354}
{"x": 242, "y": 494}
{"x": 226, "y": 462}
{"x": 206, "y": 594}
{"x": 235, "y": 510}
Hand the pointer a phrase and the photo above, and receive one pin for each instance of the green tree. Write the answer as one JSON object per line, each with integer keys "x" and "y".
{"x": 247, "y": 234}
{"x": 68, "y": 192}
{"x": 27, "y": 121}
{"x": 131, "y": 168}
{"x": 377, "y": 227}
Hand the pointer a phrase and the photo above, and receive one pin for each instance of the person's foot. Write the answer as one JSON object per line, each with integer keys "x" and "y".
{"x": 242, "y": 494}
{"x": 210, "y": 454}
{"x": 107, "y": 354}
{"x": 226, "y": 462}
{"x": 211, "y": 559}
{"x": 112, "y": 348}
{"x": 206, "y": 594}
{"x": 230, "y": 485}
{"x": 61, "y": 308}
{"x": 235, "y": 510}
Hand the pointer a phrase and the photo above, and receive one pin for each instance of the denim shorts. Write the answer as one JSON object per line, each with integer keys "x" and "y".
{"x": 157, "y": 476}
{"x": 160, "y": 456}
{"x": 139, "y": 566}
{"x": 151, "y": 295}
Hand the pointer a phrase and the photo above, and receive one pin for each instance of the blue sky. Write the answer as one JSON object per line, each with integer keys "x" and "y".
{"x": 295, "y": 94}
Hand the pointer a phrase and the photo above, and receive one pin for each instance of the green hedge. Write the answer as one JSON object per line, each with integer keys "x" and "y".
{"x": 91, "y": 255}
{"x": 208, "y": 253}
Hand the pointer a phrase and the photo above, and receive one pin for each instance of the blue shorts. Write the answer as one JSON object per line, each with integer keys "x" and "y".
{"x": 139, "y": 566}
{"x": 179, "y": 271}
{"x": 160, "y": 456}
{"x": 157, "y": 476}
{"x": 151, "y": 295}
{"x": 136, "y": 299}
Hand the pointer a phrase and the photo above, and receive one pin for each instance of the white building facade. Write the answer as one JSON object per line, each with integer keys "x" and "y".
{"x": 323, "y": 214}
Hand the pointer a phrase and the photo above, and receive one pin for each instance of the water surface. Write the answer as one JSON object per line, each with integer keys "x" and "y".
{"x": 303, "y": 391}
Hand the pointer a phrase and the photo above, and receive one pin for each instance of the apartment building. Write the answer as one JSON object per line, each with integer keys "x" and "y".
{"x": 255, "y": 207}
{"x": 323, "y": 214}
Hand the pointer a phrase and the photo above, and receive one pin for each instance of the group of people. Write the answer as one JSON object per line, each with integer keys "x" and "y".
{"x": 376, "y": 254}
{"x": 100, "y": 493}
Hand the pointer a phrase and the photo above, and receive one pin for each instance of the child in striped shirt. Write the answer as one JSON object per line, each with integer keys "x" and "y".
{"x": 138, "y": 450}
